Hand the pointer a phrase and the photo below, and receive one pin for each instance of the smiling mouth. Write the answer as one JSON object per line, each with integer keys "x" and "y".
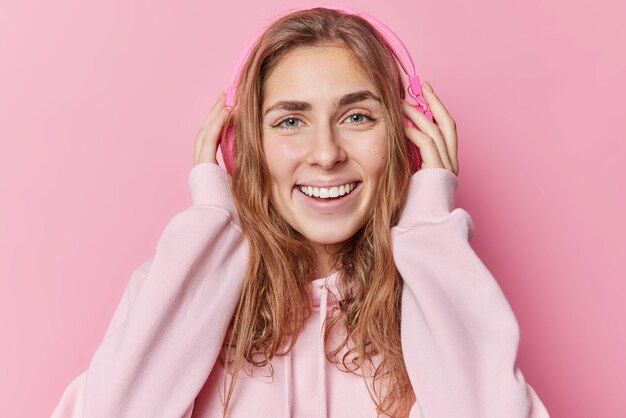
{"x": 327, "y": 195}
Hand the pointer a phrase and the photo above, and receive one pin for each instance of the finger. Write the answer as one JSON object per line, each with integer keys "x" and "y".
{"x": 446, "y": 124}
{"x": 209, "y": 121}
{"x": 217, "y": 106}
{"x": 427, "y": 147}
{"x": 429, "y": 128}
{"x": 207, "y": 142}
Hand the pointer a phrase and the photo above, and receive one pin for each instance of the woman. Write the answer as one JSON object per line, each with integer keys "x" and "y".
{"x": 321, "y": 278}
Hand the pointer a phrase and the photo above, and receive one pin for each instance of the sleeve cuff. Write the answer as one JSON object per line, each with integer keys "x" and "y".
{"x": 431, "y": 196}
{"x": 210, "y": 186}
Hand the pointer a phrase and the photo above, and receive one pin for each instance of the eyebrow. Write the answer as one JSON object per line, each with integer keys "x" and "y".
{"x": 350, "y": 98}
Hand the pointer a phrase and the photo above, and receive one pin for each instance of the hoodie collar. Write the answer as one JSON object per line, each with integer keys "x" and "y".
{"x": 319, "y": 288}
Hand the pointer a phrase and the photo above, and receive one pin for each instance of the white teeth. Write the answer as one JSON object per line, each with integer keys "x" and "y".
{"x": 326, "y": 193}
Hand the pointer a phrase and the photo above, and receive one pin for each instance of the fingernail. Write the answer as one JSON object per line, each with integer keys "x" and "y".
{"x": 427, "y": 86}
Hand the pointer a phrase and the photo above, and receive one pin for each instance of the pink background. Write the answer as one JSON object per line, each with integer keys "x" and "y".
{"x": 100, "y": 104}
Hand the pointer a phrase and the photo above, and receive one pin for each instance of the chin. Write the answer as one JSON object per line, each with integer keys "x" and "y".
{"x": 334, "y": 236}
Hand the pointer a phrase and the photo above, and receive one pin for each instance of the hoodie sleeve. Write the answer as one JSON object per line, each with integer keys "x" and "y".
{"x": 459, "y": 334}
{"x": 169, "y": 325}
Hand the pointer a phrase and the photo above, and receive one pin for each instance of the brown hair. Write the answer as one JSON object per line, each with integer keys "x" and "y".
{"x": 274, "y": 302}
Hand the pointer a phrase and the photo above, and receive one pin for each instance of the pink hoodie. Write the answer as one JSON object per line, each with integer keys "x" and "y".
{"x": 158, "y": 356}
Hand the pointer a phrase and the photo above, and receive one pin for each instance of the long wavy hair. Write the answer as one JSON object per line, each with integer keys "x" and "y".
{"x": 274, "y": 302}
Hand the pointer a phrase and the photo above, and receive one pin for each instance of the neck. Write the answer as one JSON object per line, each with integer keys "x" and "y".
{"x": 325, "y": 262}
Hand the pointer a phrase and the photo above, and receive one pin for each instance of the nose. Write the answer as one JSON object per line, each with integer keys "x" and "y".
{"x": 326, "y": 149}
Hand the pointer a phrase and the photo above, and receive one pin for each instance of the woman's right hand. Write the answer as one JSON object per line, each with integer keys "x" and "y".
{"x": 206, "y": 139}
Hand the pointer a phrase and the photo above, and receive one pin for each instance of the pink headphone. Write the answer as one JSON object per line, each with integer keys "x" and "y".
{"x": 414, "y": 96}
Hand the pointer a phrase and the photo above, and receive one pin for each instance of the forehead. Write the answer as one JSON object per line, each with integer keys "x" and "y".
{"x": 323, "y": 72}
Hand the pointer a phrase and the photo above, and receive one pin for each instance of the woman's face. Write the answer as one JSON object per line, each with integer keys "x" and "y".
{"x": 323, "y": 128}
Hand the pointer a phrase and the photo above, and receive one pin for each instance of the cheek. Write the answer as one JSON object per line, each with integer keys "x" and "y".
{"x": 281, "y": 165}
{"x": 281, "y": 150}
{"x": 372, "y": 154}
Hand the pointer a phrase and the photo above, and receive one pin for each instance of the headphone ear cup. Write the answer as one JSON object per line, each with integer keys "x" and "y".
{"x": 219, "y": 157}
{"x": 226, "y": 150}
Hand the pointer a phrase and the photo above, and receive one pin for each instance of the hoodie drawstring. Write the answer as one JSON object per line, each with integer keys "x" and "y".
{"x": 322, "y": 357}
{"x": 288, "y": 385}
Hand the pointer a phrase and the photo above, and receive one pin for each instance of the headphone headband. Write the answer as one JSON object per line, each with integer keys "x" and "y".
{"x": 391, "y": 39}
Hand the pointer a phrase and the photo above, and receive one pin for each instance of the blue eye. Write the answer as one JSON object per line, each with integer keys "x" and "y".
{"x": 281, "y": 126}
{"x": 360, "y": 114}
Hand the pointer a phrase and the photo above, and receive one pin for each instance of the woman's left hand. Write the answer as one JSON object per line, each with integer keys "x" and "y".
{"x": 437, "y": 140}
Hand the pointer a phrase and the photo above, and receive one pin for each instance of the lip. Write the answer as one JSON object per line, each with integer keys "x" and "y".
{"x": 331, "y": 205}
{"x": 328, "y": 183}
